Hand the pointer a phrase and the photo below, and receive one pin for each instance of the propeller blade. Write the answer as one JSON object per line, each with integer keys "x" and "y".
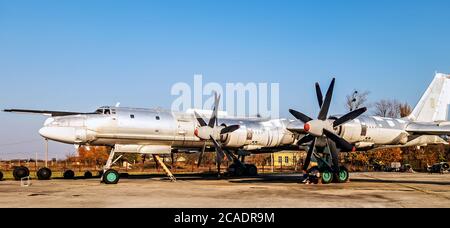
{"x": 308, "y": 138}
{"x": 213, "y": 119}
{"x": 349, "y": 116}
{"x": 300, "y": 116}
{"x": 334, "y": 156}
{"x": 340, "y": 142}
{"x": 229, "y": 129}
{"x": 323, "y": 114}
{"x": 319, "y": 95}
{"x": 200, "y": 120}
{"x": 200, "y": 157}
{"x": 219, "y": 150}
{"x": 309, "y": 155}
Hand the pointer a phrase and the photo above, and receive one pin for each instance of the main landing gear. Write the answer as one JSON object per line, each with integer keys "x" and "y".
{"x": 239, "y": 168}
{"x": 325, "y": 173}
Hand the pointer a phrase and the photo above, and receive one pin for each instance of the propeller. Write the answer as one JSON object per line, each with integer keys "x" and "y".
{"x": 211, "y": 131}
{"x": 324, "y": 128}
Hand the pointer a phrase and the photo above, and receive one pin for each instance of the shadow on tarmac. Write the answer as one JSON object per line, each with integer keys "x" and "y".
{"x": 444, "y": 183}
{"x": 263, "y": 178}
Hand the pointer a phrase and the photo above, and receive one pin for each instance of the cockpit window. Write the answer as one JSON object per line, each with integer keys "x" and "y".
{"x": 106, "y": 111}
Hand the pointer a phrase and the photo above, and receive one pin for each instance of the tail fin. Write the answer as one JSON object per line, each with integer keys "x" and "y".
{"x": 434, "y": 104}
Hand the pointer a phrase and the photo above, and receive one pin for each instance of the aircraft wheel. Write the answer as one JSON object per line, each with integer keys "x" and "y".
{"x": 87, "y": 175}
{"x": 21, "y": 172}
{"x": 251, "y": 170}
{"x": 111, "y": 176}
{"x": 239, "y": 171}
{"x": 236, "y": 170}
{"x": 327, "y": 176}
{"x": 69, "y": 174}
{"x": 231, "y": 169}
{"x": 342, "y": 176}
{"x": 44, "y": 174}
{"x": 1, "y": 176}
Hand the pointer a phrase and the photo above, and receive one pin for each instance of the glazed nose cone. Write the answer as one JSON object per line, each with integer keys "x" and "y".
{"x": 61, "y": 134}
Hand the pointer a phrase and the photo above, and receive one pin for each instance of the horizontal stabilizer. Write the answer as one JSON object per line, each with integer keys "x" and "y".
{"x": 429, "y": 129}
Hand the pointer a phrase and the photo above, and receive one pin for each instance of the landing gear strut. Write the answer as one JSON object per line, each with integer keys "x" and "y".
{"x": 239, "y": 168}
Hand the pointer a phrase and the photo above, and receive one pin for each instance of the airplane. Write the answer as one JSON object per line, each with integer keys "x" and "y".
{"x": 161, "y": 132}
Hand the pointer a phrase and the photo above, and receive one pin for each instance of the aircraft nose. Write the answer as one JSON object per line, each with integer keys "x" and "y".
{"x": 61, "y": 134}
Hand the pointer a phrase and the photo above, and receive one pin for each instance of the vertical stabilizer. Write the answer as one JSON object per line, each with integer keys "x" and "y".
{"x": 434, "y": 104}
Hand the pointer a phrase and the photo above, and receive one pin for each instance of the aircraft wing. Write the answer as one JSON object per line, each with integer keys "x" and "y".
{"x": 429, "y": 128}
{"x": 45, "y": 112}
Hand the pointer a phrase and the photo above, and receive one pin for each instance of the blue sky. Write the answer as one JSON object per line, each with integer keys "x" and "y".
{"x": 78, "y": 55}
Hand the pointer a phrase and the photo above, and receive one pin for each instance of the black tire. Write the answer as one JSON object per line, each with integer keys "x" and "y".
{"x": 239, "y": 171}
{"x": 111, "y": 176}
{"x": 343, "y": 176}
{"x": 1, "y": 176}
{"x": 87, "y": 175}
{"x": 326, "y": 176}
{"x": 69, "y": 174}
{"x": 44, "y": 174}
{"x": 20, "y": 172}
{"x": 251, "y": 170}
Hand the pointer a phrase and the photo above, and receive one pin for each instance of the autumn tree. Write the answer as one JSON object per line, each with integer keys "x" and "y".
{"x": 93, "y": 154}
{"x": 405, "y": 110}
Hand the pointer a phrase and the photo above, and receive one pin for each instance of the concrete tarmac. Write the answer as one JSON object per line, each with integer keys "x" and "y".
{"x": 367, "y": 190}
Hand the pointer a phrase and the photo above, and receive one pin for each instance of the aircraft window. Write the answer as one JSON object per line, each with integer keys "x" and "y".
{"x": 157, "y": 118}
{"x": 132, "y": 116}
{"x": 107, "y": 112}
{"x": 99, "y": 111}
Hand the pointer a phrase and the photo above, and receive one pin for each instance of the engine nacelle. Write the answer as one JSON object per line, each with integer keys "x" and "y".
{"x": 237, "y": 138}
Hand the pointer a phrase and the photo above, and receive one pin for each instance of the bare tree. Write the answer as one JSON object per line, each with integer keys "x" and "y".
{"x": 356, "y": 100}
{"x": 387, "y": 108}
